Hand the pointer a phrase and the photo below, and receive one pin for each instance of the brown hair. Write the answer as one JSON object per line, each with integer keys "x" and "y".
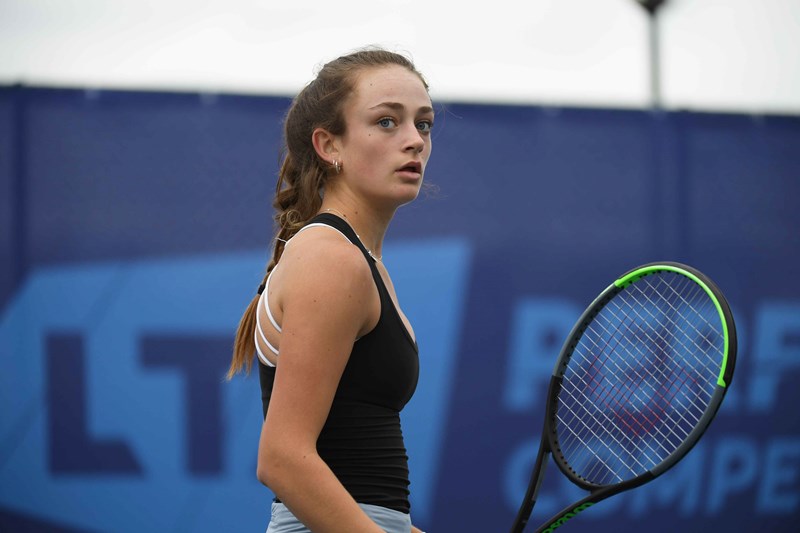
{"x": 302, "y": 176}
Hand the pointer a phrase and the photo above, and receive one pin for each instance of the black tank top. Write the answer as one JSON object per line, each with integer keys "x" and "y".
{"x": 361, "y": 440}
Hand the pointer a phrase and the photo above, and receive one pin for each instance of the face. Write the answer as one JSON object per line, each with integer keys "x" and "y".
{"x": 387, "y": 141}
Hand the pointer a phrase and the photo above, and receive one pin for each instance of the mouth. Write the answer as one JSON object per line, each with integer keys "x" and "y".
{"x": 414, "y": 167}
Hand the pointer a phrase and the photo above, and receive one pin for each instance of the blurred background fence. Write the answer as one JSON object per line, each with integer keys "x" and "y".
{"x": 135, "y": 226}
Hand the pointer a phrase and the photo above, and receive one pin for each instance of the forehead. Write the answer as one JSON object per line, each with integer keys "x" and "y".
{"x": 391, "y": 83}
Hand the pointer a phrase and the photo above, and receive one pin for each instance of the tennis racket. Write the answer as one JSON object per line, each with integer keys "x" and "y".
{"x": 637, "y": 383}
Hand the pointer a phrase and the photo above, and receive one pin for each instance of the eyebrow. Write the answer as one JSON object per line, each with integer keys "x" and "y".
{"x": 400, "y": 107}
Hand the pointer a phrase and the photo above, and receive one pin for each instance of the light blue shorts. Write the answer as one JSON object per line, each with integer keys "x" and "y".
{"x": 283, "y": 521}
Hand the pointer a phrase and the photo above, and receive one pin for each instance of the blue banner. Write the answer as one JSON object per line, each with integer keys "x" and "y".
{"x": 134, "y": 229}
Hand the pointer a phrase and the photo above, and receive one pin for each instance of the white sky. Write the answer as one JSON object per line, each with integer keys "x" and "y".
{"x": 729, "y": 55}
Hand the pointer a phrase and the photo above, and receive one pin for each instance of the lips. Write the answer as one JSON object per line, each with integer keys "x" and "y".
{"x": 411, "y": 166}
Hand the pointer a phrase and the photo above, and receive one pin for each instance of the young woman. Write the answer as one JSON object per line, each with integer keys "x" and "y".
{"x": 337, "y": 357}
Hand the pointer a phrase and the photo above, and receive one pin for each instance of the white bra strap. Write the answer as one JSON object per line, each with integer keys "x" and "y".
{"x": 264, "y": 297}
{"x": 272, "y": 348}
{"x": 259, "y": 330}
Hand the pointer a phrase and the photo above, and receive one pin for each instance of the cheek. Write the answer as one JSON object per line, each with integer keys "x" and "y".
{"x": 373, "y": 151}
{"x": 367, "y": 151}
{"x": 368, "y": 160}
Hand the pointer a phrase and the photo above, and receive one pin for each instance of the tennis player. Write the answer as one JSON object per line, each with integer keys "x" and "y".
{"x": 337, "y": 357}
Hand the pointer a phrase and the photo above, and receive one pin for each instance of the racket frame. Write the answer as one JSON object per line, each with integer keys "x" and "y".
{"x": 549, "y": 445}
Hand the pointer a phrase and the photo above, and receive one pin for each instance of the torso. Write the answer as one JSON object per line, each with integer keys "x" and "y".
{"x": 361, "y": 440}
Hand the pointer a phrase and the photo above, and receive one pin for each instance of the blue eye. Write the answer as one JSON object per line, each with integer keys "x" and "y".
{"x": 386, "y": 122}
{"x": 425, "y": 126}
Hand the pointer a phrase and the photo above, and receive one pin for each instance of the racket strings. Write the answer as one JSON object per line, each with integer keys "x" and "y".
{"x": 598, "y": 424}
{"x": 686, "y": 376}
{"x": 632, "y": 392}
{"x": 679, "y": 339}
{"x": 605, "y": 421}
{"x": 620, "y": 402}
{"x": 580, "y": 440}
{"x": 639, "y": 379}
{"x": 709, "y": 306}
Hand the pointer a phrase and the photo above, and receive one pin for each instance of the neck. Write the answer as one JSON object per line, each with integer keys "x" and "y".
{"x": 368, "y": 224}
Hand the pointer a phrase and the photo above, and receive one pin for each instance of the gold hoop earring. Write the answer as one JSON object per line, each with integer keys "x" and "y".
{"x": 337, "y": 166}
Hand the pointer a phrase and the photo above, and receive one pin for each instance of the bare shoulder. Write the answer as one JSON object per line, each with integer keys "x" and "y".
{"x": 324, "y": 259}
{"x": 324, "y": 246}
{"x": 324, "y": 280}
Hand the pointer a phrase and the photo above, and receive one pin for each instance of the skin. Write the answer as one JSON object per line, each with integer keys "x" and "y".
{"x": 323, "y": 295}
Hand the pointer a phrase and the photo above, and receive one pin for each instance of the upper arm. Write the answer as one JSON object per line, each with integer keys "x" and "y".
{"x": 326, "y": 295}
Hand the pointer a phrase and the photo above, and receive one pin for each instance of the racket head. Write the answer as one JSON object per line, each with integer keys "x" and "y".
{"x": 640, "y": 377}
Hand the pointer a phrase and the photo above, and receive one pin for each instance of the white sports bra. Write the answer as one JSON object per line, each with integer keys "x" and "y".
{"x": 264, "y": 300}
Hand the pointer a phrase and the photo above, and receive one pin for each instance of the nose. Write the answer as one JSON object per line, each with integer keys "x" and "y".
{"x": 415, "y": 141}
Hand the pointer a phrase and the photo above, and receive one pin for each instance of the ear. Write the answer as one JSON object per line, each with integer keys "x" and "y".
{"x": 325, "y": 144}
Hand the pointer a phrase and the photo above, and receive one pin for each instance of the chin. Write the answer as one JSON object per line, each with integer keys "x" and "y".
{"x": 408, "y": 195}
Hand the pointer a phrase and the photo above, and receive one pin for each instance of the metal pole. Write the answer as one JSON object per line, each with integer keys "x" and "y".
{"x": 655, "y": 64}
{"x": 652, "y": 6}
